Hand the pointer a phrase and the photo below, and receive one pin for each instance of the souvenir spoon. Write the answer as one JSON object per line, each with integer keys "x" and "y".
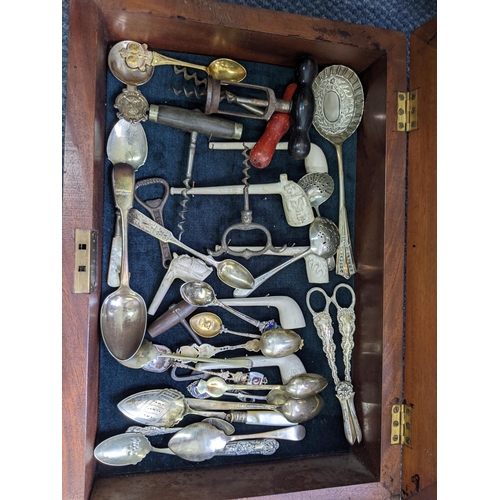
{"x": 324, "y": 238}
{"x": 209, "y": 325}
{"x": 274, "y": 343}
{"x": 124, "y": 312}
{"x": 131, "y": 447}
{"x": 201, "y": 294}
{"x": 201, "y": 441}
{"x": 229, "y": 271}
{"x": 300, "y": 386}
{"x": 127, "y": 143}
{"x": 147, "y": 352}
{"x": 339, "y": 99}
{"x": 132, "y": 62}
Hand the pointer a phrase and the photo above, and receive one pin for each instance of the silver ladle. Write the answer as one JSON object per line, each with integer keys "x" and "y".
{"x": 324, "y": 238}
{"x": 201, "y": 294}
{"x": 339, "y": 103}
{"x": 300, "y": 386}
{"x": 124, "y": 312}
{"x": 229, "y": 271}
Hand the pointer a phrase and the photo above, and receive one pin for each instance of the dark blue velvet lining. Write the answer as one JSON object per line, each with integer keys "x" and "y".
{"x": 207, "y": 218}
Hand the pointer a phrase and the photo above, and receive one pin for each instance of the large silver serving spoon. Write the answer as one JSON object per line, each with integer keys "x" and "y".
{"x": 201, "y": 294}
{"x": 229, "y": 271}
{"x": 127, "y": 143}
{"x": 339, "y": 99}
{"x": 133, "y": 64}
{"x": 324, "y": 238}
{"x": 201, "y": 441}
{"x": 123, "y": 313}
{"x": 300, "y": 386}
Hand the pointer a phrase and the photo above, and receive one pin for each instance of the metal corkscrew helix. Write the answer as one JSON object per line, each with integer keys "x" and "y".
{"x": 187, "y": 184}
{"x": 246, "y": 224}
{"x": 198, "y": 93}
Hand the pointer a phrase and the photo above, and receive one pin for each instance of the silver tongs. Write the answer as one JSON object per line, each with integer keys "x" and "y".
{"x": 324, "y": 328}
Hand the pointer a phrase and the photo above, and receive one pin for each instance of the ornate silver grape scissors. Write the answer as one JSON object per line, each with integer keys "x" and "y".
{"x": 324, "y": 328}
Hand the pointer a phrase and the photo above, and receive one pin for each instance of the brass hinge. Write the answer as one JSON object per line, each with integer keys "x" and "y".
{"x": 407, "y": 111}
{"x": 85, "y": 261}
{"x": 401, "y": 424}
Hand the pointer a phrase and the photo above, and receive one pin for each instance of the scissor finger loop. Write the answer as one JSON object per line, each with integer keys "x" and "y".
{"x": 334, "y": 296}
{"x": 325, "y": 295}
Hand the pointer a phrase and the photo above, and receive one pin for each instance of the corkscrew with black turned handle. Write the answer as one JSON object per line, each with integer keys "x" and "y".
{"x": 300, "y": 108}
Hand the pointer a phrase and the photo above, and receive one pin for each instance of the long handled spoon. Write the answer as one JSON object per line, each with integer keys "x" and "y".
{"x": 229, "y": 271}
{"x": 324, "y": 238}
{"x": 300, "y": 386}
{"x": 273, "y": 343}
{"x": 130, "y": 448}
{"x": 124, "y": 312}
{"x": 131, "y": 61}
{"x": 127, "y": 143}
{"x": 201, "y": 294}
{"x": 339, "y": 98}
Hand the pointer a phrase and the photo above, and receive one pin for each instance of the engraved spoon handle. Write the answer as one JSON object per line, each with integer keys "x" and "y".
{"x": 240, "y": 292}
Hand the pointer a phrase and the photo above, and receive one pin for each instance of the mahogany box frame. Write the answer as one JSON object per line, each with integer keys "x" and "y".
{"x": 375, "y": 468}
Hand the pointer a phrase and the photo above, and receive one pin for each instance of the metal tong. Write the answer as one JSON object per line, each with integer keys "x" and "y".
{"x": 324, "y": 328}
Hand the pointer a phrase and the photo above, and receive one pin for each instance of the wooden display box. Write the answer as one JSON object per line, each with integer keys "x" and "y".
{"x": 395, "y": 245}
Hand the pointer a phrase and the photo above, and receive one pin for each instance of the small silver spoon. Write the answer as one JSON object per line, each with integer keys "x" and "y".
{"x": 300, "y": 386}
{"x": 201, "y": 294}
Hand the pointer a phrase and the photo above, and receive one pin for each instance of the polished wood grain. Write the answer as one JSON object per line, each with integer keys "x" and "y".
{"x": 82, "y": 209}
{"x": 372, "y": 469}
{"x": 420, "y": 462}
